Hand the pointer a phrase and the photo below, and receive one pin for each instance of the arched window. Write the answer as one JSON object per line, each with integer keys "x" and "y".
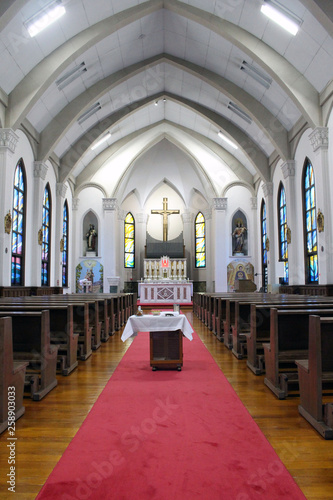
{"x": 283, "y": 244}
{"x": 264, "y": 245}
{"x": 129, "y": 241}
{"x": 200, "y": 241}
{"x": 18, "y": 226}
{"x": 310, "y": 225}
{"x": 65, "y": 245}
{"x": 46, "y": 236}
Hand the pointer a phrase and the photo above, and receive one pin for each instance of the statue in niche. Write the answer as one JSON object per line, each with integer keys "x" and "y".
{"x": 239, "y": 235}
{"x": 91, "y": 238}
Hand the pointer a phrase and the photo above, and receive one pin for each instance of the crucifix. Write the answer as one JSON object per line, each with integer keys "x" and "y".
{"x": 165, "y": 212}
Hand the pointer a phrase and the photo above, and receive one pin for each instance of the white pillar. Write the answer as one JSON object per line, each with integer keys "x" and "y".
{"x": 110, "y": 240}
{"x": 268, "y": 194}
{"x": 209, "y": 251}
{"x": 221, "y": 244}
{"x": 8, "y": 142}
{"x": 253, "y": 243}
{"x": 140, "y": 242}
{"x": 74, "y": 244}
{"x": 61, "y": 189}
{"x": 188, "y": 218}
{"x": 319, "y": 142}
{"x": 40, "y": 171}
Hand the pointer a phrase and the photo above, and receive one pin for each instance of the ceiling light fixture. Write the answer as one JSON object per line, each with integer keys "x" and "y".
{"x": 87, "y": 114}
{"x": 256, "y": 74}
{"x": 70, "y": 76}
{"x": 43, "y": 18}
{"x": 228, "y": 141}
{"x": 238, "y": 111}
{"x": 158, "y": 100}
{"x": 101, "y": 141}
{"x": 282, "y": 16}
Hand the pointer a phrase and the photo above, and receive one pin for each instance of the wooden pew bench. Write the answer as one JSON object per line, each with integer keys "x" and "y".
{"x": 12, "y": 376}
{"x": 289, "y": 341}
{"x": 32, "y": 344}
{"x": 260, "y": 328}
{"x": 314, "y": 373}
{"x": 61, "y": 332}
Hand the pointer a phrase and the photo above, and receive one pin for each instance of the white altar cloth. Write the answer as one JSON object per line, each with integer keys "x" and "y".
{"x": 161, "y": 323}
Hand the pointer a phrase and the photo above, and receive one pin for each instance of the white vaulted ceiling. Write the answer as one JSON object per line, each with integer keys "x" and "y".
{"x": 164, "y": 69}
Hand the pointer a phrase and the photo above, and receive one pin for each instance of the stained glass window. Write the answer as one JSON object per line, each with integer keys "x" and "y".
{"x": 65, "y": 245}
{"x": 310, "y": 225}
{"x": 283, "y": 233}
{"x": 46, "y": 231}
{"x": 18, "y": 224}
{"x": 129, "y": 241}
{"x": 200, "y": 241}
{"x": 264, "y": 248}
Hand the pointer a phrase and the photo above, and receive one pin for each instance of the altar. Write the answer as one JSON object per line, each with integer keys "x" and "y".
{"x": 161, "y": 292}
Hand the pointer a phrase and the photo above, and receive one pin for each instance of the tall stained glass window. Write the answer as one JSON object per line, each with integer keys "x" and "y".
{"x": 200, "y": 241}
{"x": 129, "y": 241}
{"x": 65, "y": 245}
{"x": 46, "y": 230}
{"x": 18, "y": 218}
{"x": 283, "y": 245}
{"x": 310, "y": 225}
{"x": 264, "y": 246}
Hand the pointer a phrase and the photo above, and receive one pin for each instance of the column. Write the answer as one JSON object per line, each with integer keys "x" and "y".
{"x": 268, "y": 194}
{"x": 8, "y": 142}
{"x": 75, "y": 238}
{"x": 209, "y": 250}
{"x": 110, "y": 240}
{"x": 221, "y": 244}
{"x": 188, "y": 219}
{"x": 253, "y": 239}
{"x": 40, "y": 171}
{"x": 140, "y": 242}
{"x": 296, "y": 274}
{"x": 319, "y": 142}
{"x": 61, "y": 189}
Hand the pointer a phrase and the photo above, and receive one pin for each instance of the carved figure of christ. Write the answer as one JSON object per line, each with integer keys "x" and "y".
{"x": 165, "y": 212}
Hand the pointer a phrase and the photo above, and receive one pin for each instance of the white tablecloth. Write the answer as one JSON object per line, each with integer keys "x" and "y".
{"x": 161, "y": 323}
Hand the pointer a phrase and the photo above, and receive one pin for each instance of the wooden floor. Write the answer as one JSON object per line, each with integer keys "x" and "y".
{"x": 48, "y": 426}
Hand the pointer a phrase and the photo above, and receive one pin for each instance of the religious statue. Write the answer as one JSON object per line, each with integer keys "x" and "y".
{"x": 91, "y": 237}
{"x": 8, "y": 222}
{"x": 239, "y": 235}
{"x": 320, "y": 221}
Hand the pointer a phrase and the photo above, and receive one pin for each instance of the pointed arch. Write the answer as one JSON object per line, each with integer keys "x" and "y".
{"x": 310, "y": 224}
{"x": 18, "y": 225}
{"x": 65, "y": 233}
{"x": 46, "y": 236}
{"x": 283, "y": 232}
{"x": 129, "y": 241}
{"x": 200, "y": 240}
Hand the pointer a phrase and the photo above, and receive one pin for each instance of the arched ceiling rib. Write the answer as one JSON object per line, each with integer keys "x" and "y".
{"x": 250, "y": 149}
{"x": 269, "y": 124}
{"x": 26, "y": 93}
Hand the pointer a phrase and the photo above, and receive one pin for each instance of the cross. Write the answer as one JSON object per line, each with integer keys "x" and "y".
{"x": 165, "y": 212}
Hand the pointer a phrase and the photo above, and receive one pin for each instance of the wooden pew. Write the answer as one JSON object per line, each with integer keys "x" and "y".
{"x": 12, "y": 376}
{"x": 32, "y": 343}
{"x": 289, "y": 340}
{"x": 260, "y": 328}
{"x": 314, "y": 372}
{"x": 61, "y": 331}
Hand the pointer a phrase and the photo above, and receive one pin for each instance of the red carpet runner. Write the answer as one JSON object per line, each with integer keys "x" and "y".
{"x": 169, "y": 435}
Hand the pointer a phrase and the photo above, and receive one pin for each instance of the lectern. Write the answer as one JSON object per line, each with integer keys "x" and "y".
{"x": 166, "y": 350}
{"x": 166, "y": 333}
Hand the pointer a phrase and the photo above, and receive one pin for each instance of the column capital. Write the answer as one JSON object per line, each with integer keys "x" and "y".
{"x": 109, "y": 204}
{"x": 288, "y": 169}
{"x": 319, "y": 138}
{"x": 61, "y": 189}
{"x": 75, "y": 203}
{"x": 187, "y": 217}
{"x": 268, "y": 189}
{"x": 220, "y": 203}
{"x": 8, "y": 139}
{"x": 254, "y": 203}
{"x": 141, "y": 218}
{"x": 40, "y": 170}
